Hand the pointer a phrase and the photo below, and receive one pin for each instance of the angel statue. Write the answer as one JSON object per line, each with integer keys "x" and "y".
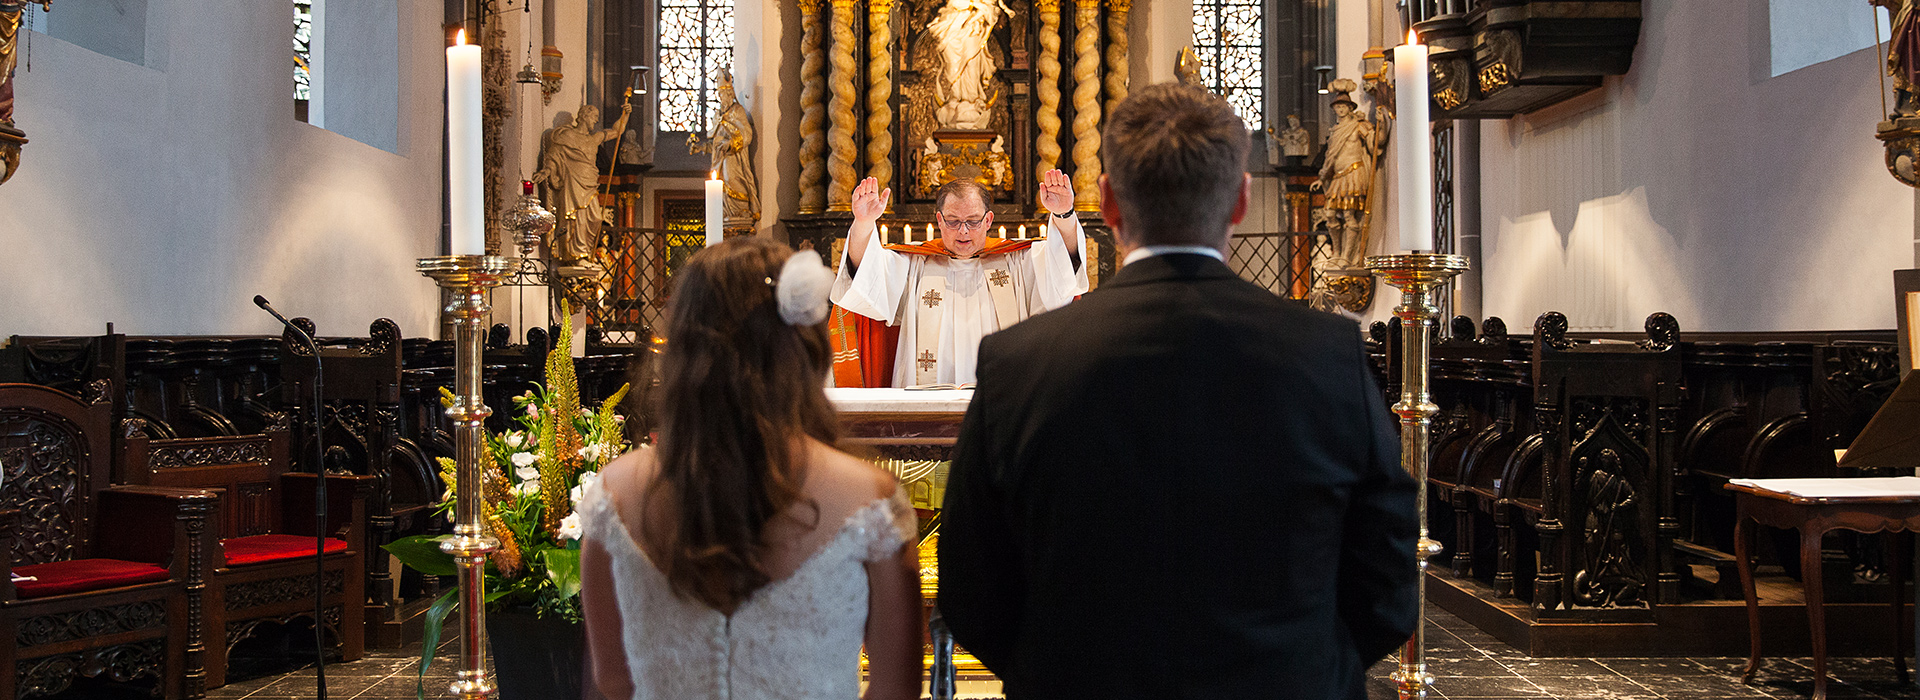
{"x": 727, "y": 146}
{"x": 1186, "y": 68}
{"x": 962, "y": 29}
{"x": 572, "y": 177}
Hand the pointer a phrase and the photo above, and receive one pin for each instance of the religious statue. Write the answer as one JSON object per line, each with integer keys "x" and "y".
{"x": 1347, "y": 173}
{"x": 10, "y": 138}
{"x": 933, "y": 167}
{"x": 997, "y": 166}
{"x": 1295, "y": 142}
{"x": 1353, "y": 154}
{"x": 572, "y": 177}
{"x": 962, "y": 29}
{"x": 1186, "y": 68}
{"x": 728, "y": 144}
{"x": 1903, "y": 55}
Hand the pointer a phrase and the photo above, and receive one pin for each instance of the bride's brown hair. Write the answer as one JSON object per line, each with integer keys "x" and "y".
{"x": 739, "y": 390}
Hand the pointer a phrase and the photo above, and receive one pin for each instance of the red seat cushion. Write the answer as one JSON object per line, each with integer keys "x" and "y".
{"x": 63, "y": 577}
{"x": 263, "y": 548}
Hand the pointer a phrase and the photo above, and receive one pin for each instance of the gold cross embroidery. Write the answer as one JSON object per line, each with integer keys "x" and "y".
{"x": 932, "y": 298}
{"x": 926, "y": 360}
{"x": 998, "y": 278}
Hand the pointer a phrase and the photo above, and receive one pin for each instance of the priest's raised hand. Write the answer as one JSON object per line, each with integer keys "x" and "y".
{"x": 869, "y": 202}
{"x": 1056, "y": 194}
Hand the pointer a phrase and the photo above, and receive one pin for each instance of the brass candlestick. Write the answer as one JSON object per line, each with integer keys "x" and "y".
{"x": 467, "y": 278}
{"x": 1416, "y": 275}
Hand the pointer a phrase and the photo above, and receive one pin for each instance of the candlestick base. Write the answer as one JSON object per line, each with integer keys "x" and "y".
{"x": 1416, "y": 275}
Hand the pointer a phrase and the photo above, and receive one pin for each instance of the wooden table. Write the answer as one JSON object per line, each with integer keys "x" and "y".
{"x": 1814, "y": 517}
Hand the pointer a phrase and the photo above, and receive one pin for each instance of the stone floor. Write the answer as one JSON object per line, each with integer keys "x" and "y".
{"x": 1466, "y": 663}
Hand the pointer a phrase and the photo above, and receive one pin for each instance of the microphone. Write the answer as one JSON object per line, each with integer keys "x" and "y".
{"x": 319, "y": 506}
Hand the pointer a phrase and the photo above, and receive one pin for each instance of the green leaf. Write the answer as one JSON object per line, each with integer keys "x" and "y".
{"x": 563, "y": 567}
{"x": 422, "y": 553}
{"x": 430, "y": 636}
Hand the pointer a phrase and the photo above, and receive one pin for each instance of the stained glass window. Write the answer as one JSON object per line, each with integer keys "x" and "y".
{"x": 1228, "y": 36}
{"x": 696, "y": 45}
{"x": 302, "y": 49}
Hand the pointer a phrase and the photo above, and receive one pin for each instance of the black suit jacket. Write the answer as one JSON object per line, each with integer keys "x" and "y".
{"x": 1179, "y": 486}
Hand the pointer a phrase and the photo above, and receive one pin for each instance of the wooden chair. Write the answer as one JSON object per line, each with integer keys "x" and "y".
{"x": 89, "y": 595}
{"x": 262, "y": 569}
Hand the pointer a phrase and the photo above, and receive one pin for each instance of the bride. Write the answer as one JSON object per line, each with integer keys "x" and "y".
{"x": 742, "y": 556}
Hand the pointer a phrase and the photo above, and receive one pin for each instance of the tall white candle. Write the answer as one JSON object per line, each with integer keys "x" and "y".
{"x": 715, "y": 191}
{"x": 465, "y": 213}
{"x": 1412, "y": 145}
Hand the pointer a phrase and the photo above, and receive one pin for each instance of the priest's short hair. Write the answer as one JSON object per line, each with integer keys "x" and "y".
{"x": 961, "y": 185}
{"x": 1175, "y": 156}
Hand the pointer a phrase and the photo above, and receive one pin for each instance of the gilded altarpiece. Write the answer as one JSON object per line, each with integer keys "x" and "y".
{"x": 916, "y": 93}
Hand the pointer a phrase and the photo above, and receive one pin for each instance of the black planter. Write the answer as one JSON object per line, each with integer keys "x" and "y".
{"x": 535, "y": 658}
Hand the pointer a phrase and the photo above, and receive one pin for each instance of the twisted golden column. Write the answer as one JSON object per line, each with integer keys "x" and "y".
{"x": 1048, "y": 145}
{"x": 879, "y": 90}
{"x": 813, "y": 171}
{"x": 840, "y": 145}
{"x": 1118, "y": 43}
{"x": 1086, "y": 105}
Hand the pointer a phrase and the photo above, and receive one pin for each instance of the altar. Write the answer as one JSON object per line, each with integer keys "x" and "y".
{"x": 911, "y": 432}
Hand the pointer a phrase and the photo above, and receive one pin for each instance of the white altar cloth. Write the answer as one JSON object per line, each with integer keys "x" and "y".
{"x": 859, "y": 400}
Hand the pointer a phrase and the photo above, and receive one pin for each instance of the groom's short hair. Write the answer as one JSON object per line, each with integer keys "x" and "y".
{"x": 1175, "y": 156}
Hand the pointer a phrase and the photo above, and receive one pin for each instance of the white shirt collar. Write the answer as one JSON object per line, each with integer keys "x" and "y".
{"x": 1143, "y": 253}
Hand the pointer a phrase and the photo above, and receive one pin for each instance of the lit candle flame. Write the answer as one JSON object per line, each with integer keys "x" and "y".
{"x": 460, "y": 38}
{"x": 713, "y": 175}
{"x": 1411, "y": 39}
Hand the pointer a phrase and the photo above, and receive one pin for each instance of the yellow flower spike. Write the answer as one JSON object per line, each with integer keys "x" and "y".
{"x": 507, "y": 557}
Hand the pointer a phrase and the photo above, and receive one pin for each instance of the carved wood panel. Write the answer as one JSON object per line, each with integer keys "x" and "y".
{"x": 45, "y": 480}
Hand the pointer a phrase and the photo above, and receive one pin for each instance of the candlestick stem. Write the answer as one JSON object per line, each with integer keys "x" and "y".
{"x": 468, "y": 278}
{"x": 1416, "y": 275}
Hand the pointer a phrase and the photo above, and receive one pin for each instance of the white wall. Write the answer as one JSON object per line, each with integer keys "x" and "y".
{"x": 162, "y": 199}
{"x": 1701, "y": 185}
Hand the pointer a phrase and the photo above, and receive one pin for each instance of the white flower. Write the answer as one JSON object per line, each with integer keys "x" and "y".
{"x": 526, "y": 473}
{"x": 516, "y": 439}
{"x": 588, "y": 482}
{"x": 569, "y": 527}
{"x": 526, "y": 488}
{"x": 593, "y": 452}
{"x": 524, "y": 459}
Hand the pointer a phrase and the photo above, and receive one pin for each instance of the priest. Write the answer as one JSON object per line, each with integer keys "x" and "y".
{"x": 946, "y": 294}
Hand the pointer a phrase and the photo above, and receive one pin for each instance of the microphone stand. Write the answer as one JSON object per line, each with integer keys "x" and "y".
{"x": 319, "y": 505}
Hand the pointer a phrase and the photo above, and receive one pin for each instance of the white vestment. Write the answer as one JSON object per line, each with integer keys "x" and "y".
{"x": 893, "y": 287}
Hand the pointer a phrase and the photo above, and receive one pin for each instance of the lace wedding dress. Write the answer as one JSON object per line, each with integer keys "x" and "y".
{"x": 796, "y": 638}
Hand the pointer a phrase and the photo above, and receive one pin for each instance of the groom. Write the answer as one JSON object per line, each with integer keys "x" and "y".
{"x": 1180, "y": 485}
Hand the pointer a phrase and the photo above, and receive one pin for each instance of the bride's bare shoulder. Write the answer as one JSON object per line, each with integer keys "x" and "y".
{"x": 627, "y": 475}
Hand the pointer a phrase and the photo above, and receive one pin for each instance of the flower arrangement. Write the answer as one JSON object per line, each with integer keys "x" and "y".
{"x": 534, "y": 479}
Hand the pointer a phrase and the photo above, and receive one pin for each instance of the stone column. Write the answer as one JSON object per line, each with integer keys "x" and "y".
{"x": 813, "y": 171}
{"x": 1047, "y": 145}
{"x": 1086, "y": 105}
{"x": 840, "y": 118}
{"x": 879, "y": 91}
{"x": 1119, "y": 43}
